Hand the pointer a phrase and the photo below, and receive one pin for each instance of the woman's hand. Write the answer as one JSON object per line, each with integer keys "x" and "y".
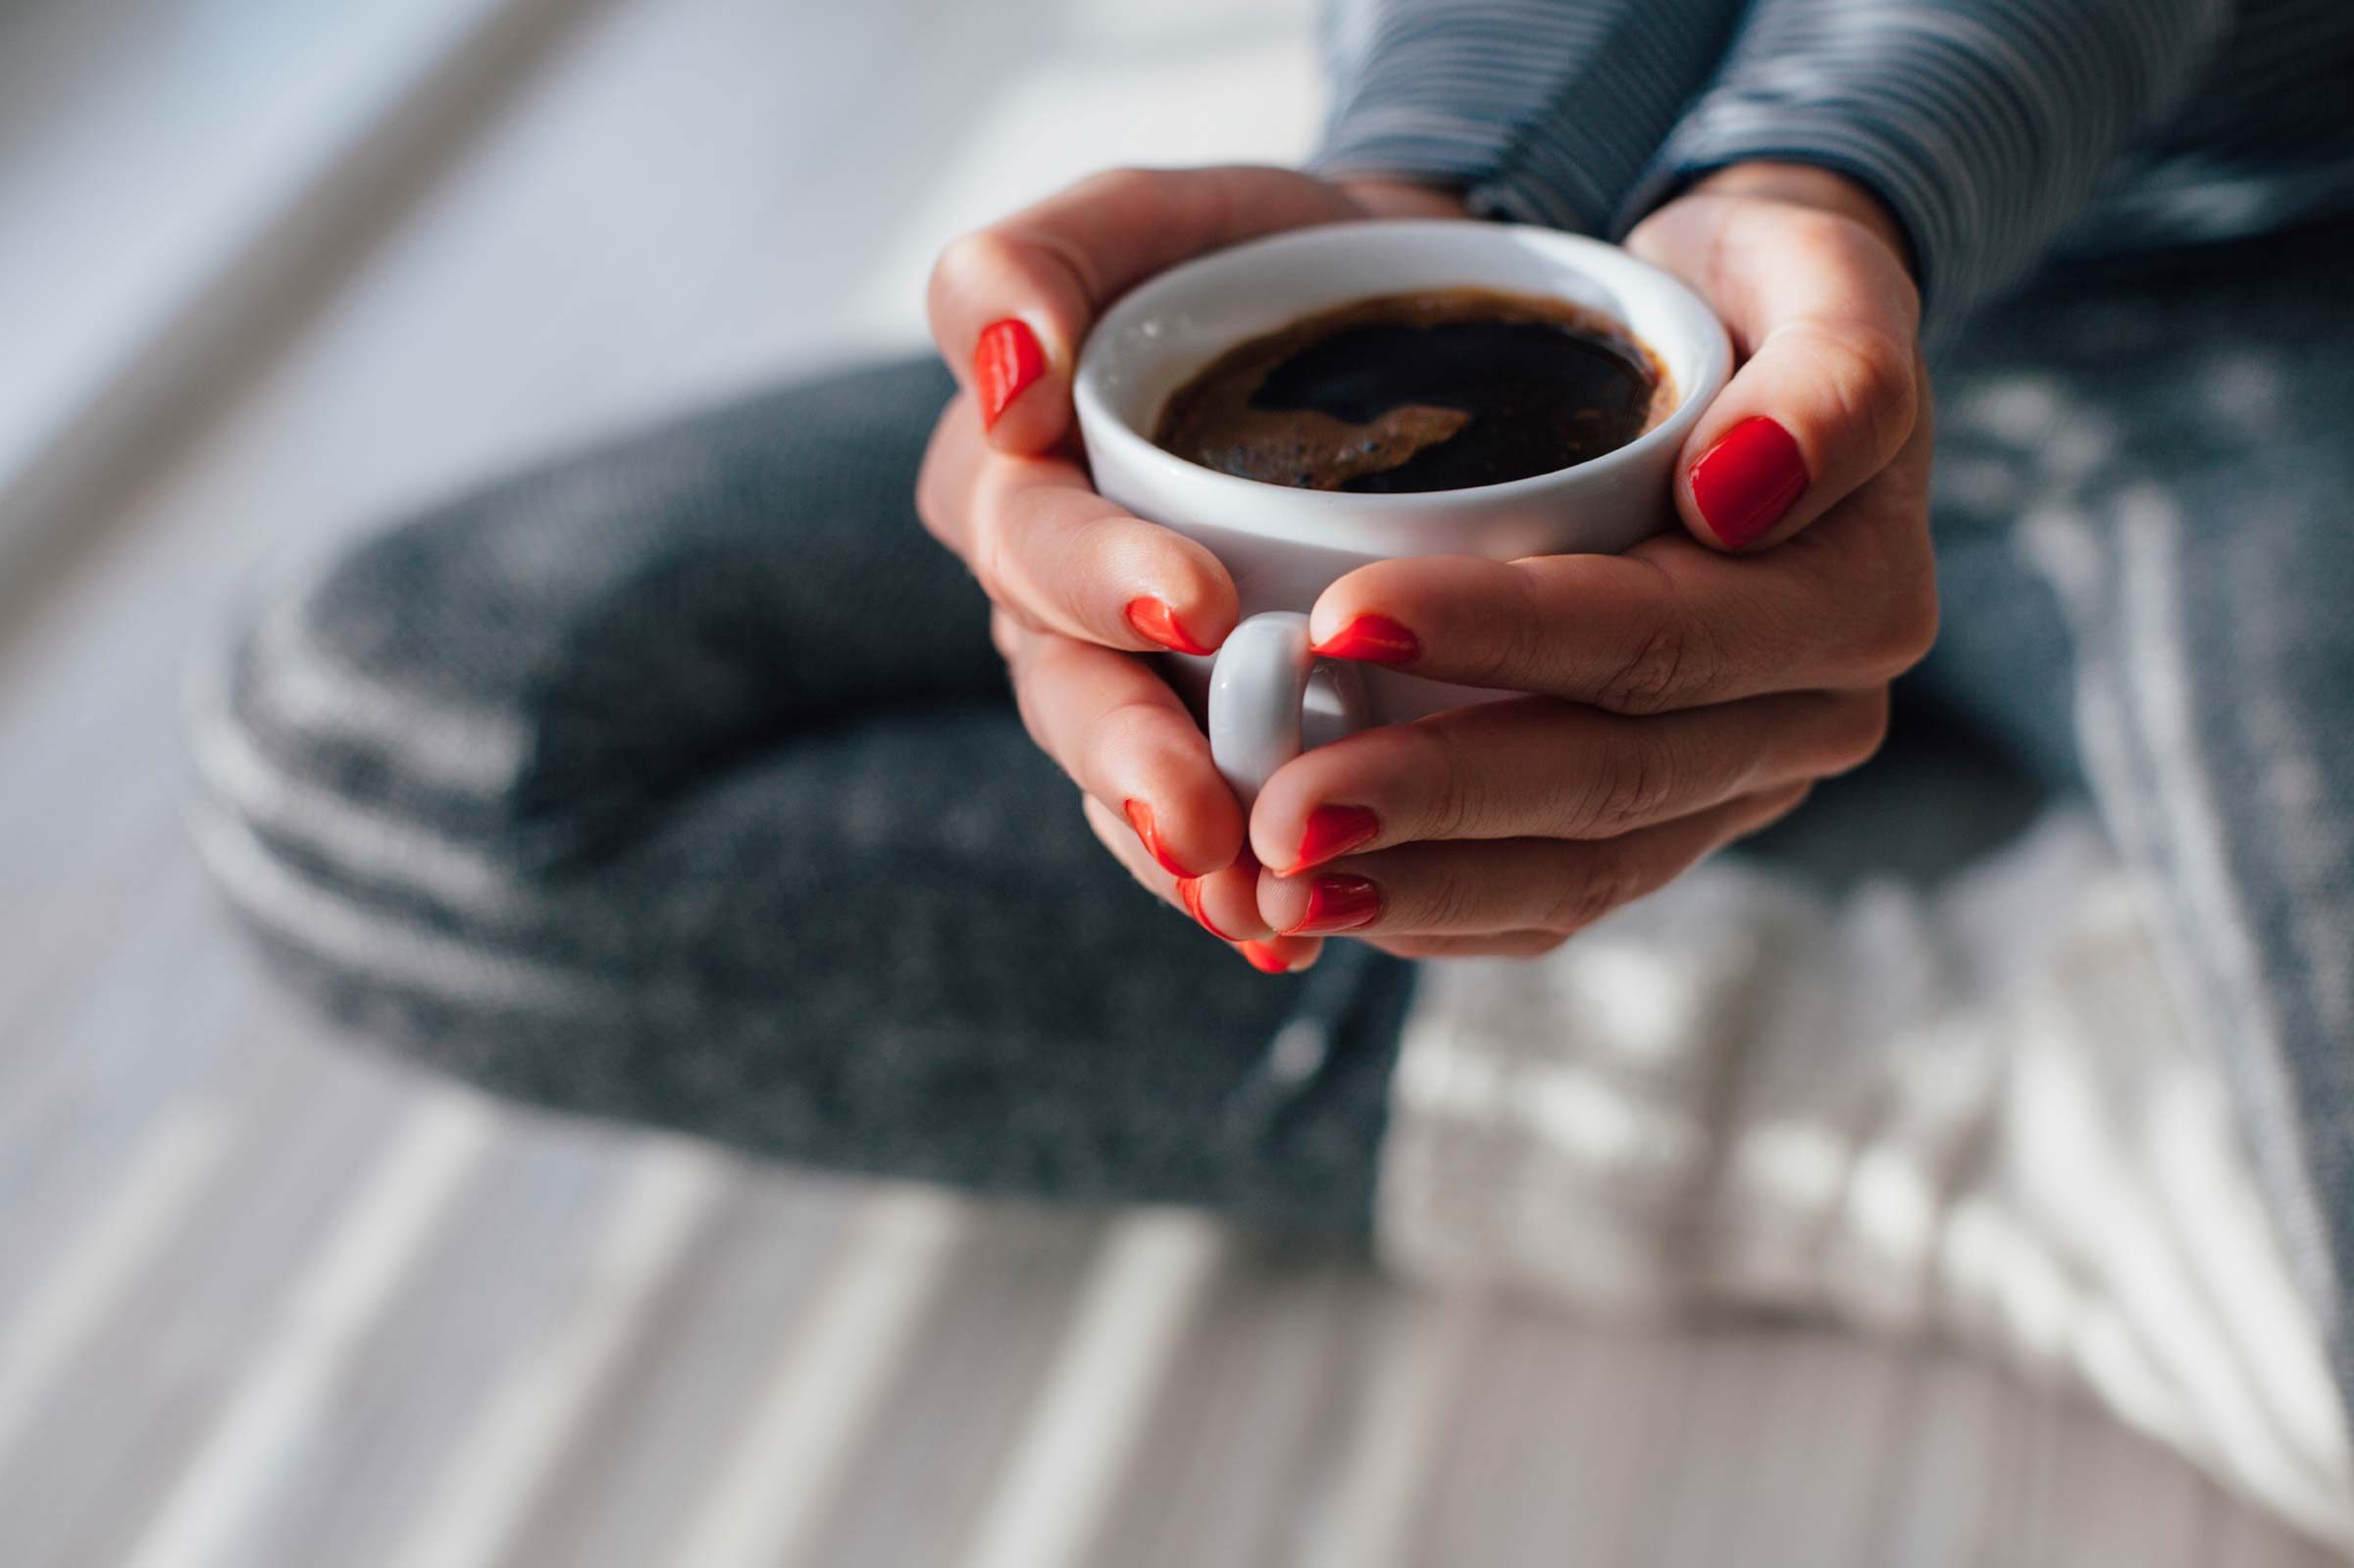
{"x": 1685, "y": 693}
{"x": 1080, "y": 586}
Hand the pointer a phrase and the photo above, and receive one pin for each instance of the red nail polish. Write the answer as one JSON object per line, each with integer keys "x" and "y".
{"x": 1338, "y": 903}
{"x": 1333, "y": 830}
{"x": 1156, "y": 620}
{"x": 1263, "y": 958}
{"x": 1008, "y": 359}
{"x": 1747, "y": 480}
{"x": 1375, "y": 640}
{"x": 1189, "y": 889}
{"x": 1139, "y": 817}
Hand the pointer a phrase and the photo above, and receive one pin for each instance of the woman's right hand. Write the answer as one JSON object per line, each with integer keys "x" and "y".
{"x": 1081, "y": 587}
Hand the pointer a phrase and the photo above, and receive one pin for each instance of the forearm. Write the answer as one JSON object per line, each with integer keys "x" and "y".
{"x": 1542, "y": 113}
{"x": 1984, "y": 125}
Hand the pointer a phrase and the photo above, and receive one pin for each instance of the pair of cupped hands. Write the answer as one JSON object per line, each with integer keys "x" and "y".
{"x": 1669, "y": 700}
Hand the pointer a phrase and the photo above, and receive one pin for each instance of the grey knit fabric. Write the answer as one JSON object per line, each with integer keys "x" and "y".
{"x": 678, "y": 783}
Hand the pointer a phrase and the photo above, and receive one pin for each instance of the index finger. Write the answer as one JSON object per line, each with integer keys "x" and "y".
{"x": 1849, "y": 604}
{"x": 1010, "y": 304}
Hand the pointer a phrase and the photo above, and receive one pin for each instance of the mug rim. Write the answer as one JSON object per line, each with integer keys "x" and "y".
{"x": 1099, "y": 422}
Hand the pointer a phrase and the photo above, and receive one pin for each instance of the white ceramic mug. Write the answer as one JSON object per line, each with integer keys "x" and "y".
{"x": 1266, "y": 695}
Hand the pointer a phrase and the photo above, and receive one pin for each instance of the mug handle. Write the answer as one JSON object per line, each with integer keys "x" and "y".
{"x": 1259, "y": 717}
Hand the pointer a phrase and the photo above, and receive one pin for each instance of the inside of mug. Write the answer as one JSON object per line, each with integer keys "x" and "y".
{"x": 1156, "y": 338}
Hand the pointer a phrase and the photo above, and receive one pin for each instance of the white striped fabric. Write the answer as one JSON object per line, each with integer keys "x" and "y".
{"x": 1997, "y": 130}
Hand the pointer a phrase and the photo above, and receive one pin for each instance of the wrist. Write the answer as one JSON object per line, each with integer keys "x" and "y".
{"x": 1810, "y": 185}
{"x": 1396, "y": 196}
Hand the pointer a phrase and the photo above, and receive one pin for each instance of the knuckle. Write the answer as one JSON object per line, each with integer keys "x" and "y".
{"x": 1027, "y": 702}
{"x": 1120, "y": 730}
{"x": 1796, "y": 798}
{"x": 1651, "y": 675}
{"x": 1450, "y": 810}
{"x": 1451, "y": 903}
{"x": 1868, "y": 372}
{"x": 1513, "y": 648}
{"x": 1905, "y": 630}
{"x": 1917, "y": 614}
{"x": 1588, "y": 889}
{"x": 1635, "y": 785}
{"x": 970, "y": 262}
{"x": 1121, "y": 182}
{"x": 931, "y": 506}
{"x": 1495, "y": 660}
{"x": 990, "y": 553}
{"x": 936, "y": 496}
{"x": 987, "y": 560}
{"x": 1861, "y": 730}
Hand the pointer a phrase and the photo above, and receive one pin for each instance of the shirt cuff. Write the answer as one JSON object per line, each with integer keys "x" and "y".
{"x": 1939, "y": 216}
{"x": 1541, "y": 114}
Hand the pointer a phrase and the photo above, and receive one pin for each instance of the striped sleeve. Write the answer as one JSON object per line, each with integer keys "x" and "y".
{"x": 1985, "y": 125}
{"x": 1541, "y": 111}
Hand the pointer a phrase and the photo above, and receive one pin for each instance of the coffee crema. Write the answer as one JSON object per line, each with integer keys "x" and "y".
{"x": 1441, "y": 389}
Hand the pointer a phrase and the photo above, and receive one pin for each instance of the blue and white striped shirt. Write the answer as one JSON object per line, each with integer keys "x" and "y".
{"x": 1998, "y": 132}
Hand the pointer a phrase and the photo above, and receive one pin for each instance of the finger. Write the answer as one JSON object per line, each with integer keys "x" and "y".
{"x": 1010, "y": 304}
{"x": 1828, "y": 318}
{"x": 1533, "y": 768}
{"x": 1669, "y": 624}
{"x": 1045, "y": 545}
{"x": 1487, "y": 887}
{"x": 1500, "y": 945}
{"x": 1265, "y": 952}
{"x": 1114, "y": 726}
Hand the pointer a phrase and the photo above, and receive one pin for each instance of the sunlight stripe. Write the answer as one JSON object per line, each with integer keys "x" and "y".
{"x": 255, "y": 1443}
{"x": 1147, "y": 1286}
{"x": 491, "y": 1481}
{"x": 1411, "y": 1369}
{"x": 78, "y": 1293}
{"x": 824, "y": 1392}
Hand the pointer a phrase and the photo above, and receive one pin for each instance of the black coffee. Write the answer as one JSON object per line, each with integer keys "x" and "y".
{"x": 1438, "y": 390}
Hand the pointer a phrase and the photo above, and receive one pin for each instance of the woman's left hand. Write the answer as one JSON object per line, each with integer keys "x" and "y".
{"x": 1681, "y": 696}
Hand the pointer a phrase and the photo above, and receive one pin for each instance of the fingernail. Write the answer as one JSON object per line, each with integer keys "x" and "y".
{"x": 1373, "y": 638}
{"x": 1747, "y": 480}
{"x": 1333, "y": 830}
{"x": 1008, "y": 359}
{"x": 1139, "y": 817}
{"x": 1154, "y": 620}
{"x": 1263, "y": 958}
{"x": 1189, "y": 888}
{"x": 1338, "y": 903}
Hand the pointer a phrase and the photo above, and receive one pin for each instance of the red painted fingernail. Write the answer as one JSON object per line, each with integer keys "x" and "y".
{"x": 1008, "y": 359}
{"x": 1189, "y": 888}
{"x": 1375, "y": 640}
{"x": 1338, "y": 903}
{"x": 1156, "y": 620}
{"x": 1747, "y": 480}
{"x": 1333, "y": 830}
{"x": 1139, "y": 817}
{"x": 1263, "y": 958}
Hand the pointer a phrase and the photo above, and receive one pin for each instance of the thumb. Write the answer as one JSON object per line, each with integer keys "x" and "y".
{"x": 1011, "y": 303}
{"x": 1823, "y": 309}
